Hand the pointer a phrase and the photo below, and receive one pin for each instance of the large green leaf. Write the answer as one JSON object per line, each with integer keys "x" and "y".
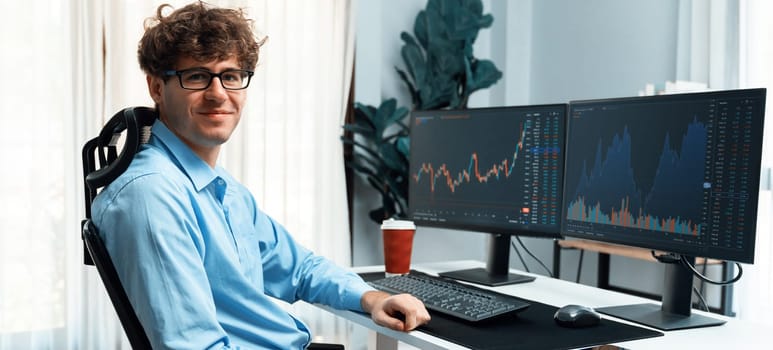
{"x": 379, "y": 186}
{"x": 437, "y": 31}
{"x": 485, "y": 74}
{"x": 359, "y": 168}
{"x": 365, "y": 114}
{"x": 365, "y": 152}
{"x": 397, "y": 115}
{"x": 391, "y": 157}
{"x": 486, "y": 21}
{"x": 409, "y": 84}
{"x": 473, "y": 7}
{"x": 464, "y": 25}
{"x": 420, "y": 28}
{"x": 366, "y": 165}
{"x": 413, "y": 57}
{"x": 383, "y": 115}
{"x": 359, "y": 129}
{"x": 404, "y": 146}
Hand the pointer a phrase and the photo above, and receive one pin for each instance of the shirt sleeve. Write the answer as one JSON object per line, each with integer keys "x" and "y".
{"x": 157, "y": 253}
{"x": 292, "y": 272}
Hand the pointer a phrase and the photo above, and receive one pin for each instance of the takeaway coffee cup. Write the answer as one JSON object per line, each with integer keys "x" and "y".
{"x": 398, "y": 242}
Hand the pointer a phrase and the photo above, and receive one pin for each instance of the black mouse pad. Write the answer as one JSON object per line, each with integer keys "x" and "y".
{"x": 533, "y": 328}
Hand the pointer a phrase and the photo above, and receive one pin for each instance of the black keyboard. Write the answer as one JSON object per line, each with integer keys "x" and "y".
{"x": 451, "y": 297}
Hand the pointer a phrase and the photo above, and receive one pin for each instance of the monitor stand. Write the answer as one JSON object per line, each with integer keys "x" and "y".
{"x": 497, "y": 271}
{"x": 675, "y": 310}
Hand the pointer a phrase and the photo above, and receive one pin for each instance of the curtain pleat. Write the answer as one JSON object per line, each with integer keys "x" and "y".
{"x": 40, "y": 281}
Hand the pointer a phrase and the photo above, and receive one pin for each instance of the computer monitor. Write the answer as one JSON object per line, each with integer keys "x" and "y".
{"x": 672, "y": 173}
{"x": 492, "y": 170}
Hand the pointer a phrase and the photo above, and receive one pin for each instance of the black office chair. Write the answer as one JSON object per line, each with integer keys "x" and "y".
{"x": 136, "y": 122}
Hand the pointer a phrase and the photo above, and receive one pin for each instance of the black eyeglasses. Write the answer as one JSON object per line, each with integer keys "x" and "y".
{"x": 199, "y": 79}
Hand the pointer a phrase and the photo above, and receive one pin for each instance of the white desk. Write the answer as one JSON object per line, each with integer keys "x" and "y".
{"x": 734, "y": 334}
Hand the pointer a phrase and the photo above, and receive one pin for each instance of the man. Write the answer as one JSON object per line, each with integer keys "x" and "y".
{"x": 199, "y": 261}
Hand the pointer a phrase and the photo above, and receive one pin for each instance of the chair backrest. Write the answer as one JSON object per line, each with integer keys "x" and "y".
{"x": 135, "y": 121}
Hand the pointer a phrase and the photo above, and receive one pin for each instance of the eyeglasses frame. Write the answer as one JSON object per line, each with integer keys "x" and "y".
{"x": 212, "y": 75}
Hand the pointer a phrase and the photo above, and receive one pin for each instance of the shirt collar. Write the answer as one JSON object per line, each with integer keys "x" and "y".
{"x": 200, "y": 173}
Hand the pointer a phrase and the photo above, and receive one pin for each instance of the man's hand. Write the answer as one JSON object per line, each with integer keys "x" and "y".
{"x": 402, "y": 312}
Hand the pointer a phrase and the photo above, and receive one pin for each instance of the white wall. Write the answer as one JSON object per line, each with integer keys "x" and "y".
{"x": 601, "y": 48}
{"x": 549, "y": 51}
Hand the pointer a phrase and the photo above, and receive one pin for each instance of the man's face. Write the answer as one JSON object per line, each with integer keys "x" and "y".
{"x": 203, "y": 119}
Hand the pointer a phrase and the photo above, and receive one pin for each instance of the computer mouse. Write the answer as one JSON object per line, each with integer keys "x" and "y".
{"x": 576, "y": 316}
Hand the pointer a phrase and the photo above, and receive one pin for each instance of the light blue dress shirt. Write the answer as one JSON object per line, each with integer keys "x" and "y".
{"x": 200, "y": 262}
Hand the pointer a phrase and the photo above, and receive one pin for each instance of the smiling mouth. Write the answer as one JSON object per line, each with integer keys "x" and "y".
{"x": 216, "y": 113}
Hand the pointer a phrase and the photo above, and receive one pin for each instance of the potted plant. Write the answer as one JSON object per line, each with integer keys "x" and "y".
{"x": 440, "y": 72}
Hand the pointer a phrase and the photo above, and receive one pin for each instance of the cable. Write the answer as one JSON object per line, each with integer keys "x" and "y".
{"x": 533, "y": 257}
{"x": 579, "y": 265}
{"x": 523, "y": 262}
{"x": 700, "y": 297}
{"x": 708, "y": 280}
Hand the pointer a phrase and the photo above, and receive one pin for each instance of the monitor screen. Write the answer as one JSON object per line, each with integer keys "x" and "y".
{"x": 678, "y": 173}
{"x": 493, "y": 170}
{"x": 674, "y": 173}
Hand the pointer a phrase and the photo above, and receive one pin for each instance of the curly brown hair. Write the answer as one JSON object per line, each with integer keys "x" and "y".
{"x": 198, "y": 31}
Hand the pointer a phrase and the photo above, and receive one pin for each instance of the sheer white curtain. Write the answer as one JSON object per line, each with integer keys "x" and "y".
{"x": 755, "y": 297}
{"x": 69, "y": 66}
{"x": 48, "y": 49}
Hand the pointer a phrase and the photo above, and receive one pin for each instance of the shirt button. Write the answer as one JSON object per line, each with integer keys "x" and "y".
{"x": 220, "y": 182}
